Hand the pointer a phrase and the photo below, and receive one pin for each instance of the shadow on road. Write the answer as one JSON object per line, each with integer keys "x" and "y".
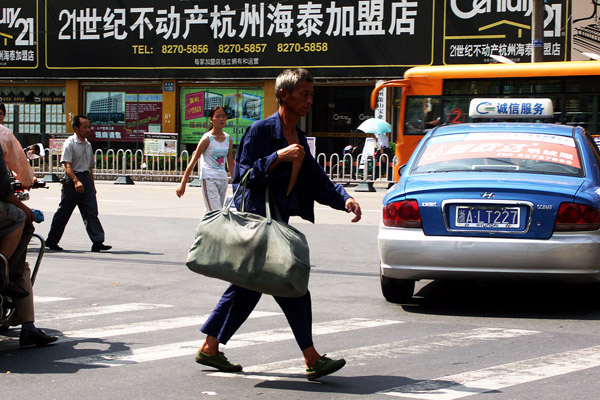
{"x": 548, "y": 300}
{"x": 360, "y": 385}
{"x": 48, "y": 359}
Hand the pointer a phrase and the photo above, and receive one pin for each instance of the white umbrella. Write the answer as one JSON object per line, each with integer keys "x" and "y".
{"x": 376, "y": 126}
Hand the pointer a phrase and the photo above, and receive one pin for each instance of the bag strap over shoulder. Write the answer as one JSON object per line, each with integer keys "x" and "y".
{"x": 242, "y": 185}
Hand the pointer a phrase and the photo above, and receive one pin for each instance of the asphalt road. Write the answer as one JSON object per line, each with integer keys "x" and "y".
{"x": 128, "y": 320}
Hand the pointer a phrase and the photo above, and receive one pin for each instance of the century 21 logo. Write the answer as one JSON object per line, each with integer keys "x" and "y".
{"x": 553, "y": 12}
{"x": 24, "y": 26}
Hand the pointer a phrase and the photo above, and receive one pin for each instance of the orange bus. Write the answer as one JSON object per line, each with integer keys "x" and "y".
{"x": 432, "y": 95}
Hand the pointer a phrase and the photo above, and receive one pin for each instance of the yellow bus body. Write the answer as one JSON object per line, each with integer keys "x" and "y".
{"x": 429, "y": 81}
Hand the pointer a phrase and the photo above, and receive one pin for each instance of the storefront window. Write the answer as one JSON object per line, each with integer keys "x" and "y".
{"x": 422, "y": 114}
{"x": 336, "y": 113}
{"x": 242, "y": 105}
{"x": 120, "y": 117}
{"x": 34, "y": 114}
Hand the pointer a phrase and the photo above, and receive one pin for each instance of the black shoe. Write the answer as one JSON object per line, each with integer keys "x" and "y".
{"x": 100, "y": 247}
{"x": 54, "y": 247}
{"x": 35, "y": 337}
{"x": 324, "y": 366}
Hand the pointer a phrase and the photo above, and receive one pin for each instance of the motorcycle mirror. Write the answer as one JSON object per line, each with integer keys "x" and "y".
{"x": 35, "y": 151}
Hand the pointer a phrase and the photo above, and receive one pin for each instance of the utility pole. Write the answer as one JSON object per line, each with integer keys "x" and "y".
{"x": 537, "y": 31}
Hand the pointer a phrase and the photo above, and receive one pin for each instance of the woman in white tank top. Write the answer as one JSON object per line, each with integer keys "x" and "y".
{"x": 215, "y": 147}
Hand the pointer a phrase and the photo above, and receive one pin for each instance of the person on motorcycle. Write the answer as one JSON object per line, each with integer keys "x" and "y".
{"x": 20, "y": 273}
{"x": 12, "y": 221}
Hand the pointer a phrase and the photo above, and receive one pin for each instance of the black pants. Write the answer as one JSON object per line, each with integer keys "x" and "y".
{"x": 88, "y": 206}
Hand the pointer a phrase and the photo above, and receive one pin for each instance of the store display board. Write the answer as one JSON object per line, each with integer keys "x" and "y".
{"x": 242, "y": 105}
{"x": 122, "y": 115}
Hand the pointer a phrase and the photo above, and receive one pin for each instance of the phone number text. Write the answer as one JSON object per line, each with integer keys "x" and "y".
{"x": 184, "y": 49}
{"x": 302, "y": 47}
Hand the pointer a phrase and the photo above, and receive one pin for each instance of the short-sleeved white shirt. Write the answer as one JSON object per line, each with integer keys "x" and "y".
{"x": 78, "y": 153}
{"x": 213, "y": 159}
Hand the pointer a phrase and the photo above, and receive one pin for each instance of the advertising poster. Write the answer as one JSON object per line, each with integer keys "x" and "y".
{"x": 236, "y": 38}
{"x": 123, "y": 116}
{"x": 474, "y": 31}
{"x": 164, "y": 144}
{"x": 242, "y": 105}
{"x": 586, "y": 29}
{"x": 19, "y": 35}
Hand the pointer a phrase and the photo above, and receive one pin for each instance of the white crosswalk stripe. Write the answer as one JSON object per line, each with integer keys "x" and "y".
{"x": 102, "y": 310}
{"x": 364, "y": 354}
{"x": 494, "y": 378}
{"x": 48, "y": 299}
{"x": 146, "y": 326}
{"x": 187, "y": 348}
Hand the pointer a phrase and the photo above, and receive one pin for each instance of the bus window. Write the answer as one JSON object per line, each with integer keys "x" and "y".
{"x": 472, "y": 87}
{"x": 582, "y": 110}
{"x": 422, "y": 114}
{"x": 456, "y": 110}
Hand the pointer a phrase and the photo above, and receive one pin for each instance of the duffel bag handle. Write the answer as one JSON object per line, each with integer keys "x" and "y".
{"x": 242, "y": 184}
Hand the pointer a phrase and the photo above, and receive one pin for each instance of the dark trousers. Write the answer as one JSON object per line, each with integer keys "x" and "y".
{"x": 237, "y": 303}
{"x": 88, "y": 206}
{"x": 20, "y": 274}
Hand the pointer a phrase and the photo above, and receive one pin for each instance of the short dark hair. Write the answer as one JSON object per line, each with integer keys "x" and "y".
{"x": 3, "y": 108}
{"x": 289, "y": 79}
{"x": 77, "y": 120}
{"x": 213, "y": 111}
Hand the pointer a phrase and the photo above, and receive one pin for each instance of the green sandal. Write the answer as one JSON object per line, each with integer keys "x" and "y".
{"x": 218, "y": 361}
{"x": 324, "y": 366}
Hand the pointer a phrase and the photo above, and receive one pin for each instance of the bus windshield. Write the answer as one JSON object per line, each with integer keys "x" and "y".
{"x": 431, "y": 96}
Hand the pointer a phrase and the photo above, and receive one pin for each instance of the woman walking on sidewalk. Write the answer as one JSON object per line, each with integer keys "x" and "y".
{"x": 215, "y": 147}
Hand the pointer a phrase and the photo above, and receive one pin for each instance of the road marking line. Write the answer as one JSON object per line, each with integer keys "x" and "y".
{"x": 494, "y": 378}
{"x": 360, "y": 355}
{"x": 172, "y": 350}
{"x": 99, "y": 200}
{"x": 146, "y": 326}
{"x": 101, "y": 310}
{"x": 49, "y": 299}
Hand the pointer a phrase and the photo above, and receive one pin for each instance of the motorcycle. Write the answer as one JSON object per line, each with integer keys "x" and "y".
{"x": 8, "y": 290}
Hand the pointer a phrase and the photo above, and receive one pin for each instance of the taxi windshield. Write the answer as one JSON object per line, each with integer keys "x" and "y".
{"x": 513, "y": 152}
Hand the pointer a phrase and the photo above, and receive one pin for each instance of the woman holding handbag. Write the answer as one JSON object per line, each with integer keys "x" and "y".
{"x": 276, "y": 153}
{"x": 215, "y": 147}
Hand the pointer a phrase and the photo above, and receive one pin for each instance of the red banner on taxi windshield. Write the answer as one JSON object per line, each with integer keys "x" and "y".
{"x": 516, "y": 149}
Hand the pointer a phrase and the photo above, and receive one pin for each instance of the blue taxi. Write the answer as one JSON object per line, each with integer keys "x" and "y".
{"x": 486, "y": 200}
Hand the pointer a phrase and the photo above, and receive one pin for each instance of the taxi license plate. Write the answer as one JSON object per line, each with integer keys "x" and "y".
{"x": 488, "y": 217}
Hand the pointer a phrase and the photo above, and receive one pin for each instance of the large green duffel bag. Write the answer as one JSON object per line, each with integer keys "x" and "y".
{"x": 249, "y": 250}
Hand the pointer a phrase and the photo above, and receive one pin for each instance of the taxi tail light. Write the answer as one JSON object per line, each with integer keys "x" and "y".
{"x": 402, "y": 214}
{"x": 577, "y": 217}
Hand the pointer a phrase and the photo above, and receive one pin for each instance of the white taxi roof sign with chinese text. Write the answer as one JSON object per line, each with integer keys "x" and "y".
{"x": 511, "y": 108}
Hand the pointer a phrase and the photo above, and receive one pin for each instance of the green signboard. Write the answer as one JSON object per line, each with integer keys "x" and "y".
{"x": 242, "y": 105}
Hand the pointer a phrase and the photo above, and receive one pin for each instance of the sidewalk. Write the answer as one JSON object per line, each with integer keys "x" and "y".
{"x": 158, "y": 199}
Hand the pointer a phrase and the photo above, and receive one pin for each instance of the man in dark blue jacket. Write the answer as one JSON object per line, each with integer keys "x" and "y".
{"x": 276, "y": 152}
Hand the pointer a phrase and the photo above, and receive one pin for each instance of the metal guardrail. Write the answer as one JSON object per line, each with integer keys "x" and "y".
{"x": 111, "y": 164}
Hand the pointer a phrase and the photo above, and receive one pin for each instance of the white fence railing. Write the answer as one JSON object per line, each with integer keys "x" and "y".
{"x": 111, "y": 164}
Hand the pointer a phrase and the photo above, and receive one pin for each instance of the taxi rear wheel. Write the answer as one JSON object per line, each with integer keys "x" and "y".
{"x": 397, "y": 290}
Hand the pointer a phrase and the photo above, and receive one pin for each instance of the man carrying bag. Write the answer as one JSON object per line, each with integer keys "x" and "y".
{"x": 276, "y": 154}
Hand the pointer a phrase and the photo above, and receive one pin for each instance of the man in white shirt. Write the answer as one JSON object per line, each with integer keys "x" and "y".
{"x": 78, "y": 189}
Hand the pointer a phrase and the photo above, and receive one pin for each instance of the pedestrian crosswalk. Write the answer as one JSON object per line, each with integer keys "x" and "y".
{"x": 186, "y": 348}
{"x": 518, "y": 371}
{"x": 500, "y": 376}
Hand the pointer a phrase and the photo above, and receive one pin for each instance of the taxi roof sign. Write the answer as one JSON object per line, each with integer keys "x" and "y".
{"x": 511, "y": 108}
